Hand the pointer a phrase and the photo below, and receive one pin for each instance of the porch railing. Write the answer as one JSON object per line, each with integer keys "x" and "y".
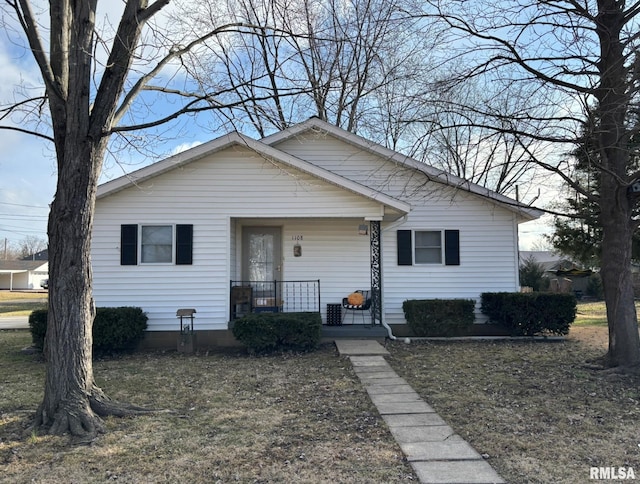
{"x": 274, "y": 296}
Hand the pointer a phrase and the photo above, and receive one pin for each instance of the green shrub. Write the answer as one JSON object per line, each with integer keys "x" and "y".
{"x": 594, "y": 286}
{"x": 532, "y": 275}
{"x": 269, "y": 332}
{"x": 439, "y": 317}
{"x": 528, "y": 314}
{"x": 114, "y": 329}
{"x": 38, "y": 327}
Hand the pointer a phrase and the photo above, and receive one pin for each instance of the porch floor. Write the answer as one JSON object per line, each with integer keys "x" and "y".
{"x": 354, "y": 331}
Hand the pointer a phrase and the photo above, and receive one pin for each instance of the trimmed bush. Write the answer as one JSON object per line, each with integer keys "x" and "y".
{"x": 439, "y": 317}
{"x": 528, "y": 314}
{"x": 269, "y": 332}
{"x": 38, "y": 327}
{"x": 115, "y": 330}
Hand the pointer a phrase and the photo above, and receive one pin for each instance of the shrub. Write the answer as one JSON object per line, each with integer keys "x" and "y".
{"x": 38, "y": 327}
{"x": 532, "y": 275}
{"x": 268, "y": 332}
{"x": 528, "y": 314}
{"x": 594, "y": 287}
{"x": 439, "y": 317}
{"x": 114, "y": 329}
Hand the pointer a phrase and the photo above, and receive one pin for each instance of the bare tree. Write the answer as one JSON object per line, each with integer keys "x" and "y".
{"x": 456, "y": 132}
{"x": 362, "y": 66}
{"x": 337, "y": 57}
{"x": 30, "y": 245}
{"x": 95, "y": 83}
{"x": 575, "y": 55}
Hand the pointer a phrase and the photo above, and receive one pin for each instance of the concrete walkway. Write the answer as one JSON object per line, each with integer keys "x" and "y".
{"x": 14, "y": 322}
{"x": 435, "y": 452}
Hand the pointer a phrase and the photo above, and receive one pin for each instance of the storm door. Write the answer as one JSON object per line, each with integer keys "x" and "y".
{"x": 262, "y": 258}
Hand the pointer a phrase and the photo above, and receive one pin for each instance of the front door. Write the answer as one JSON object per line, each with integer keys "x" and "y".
{"x": 262, "y": 254}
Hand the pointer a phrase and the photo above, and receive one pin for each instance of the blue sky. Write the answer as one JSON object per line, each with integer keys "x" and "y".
{"x": 28, "y": 168}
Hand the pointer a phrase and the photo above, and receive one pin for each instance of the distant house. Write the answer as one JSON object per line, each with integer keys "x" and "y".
{"x": 42, "y": 255}
{"x": 313, "y": 211}
{"x": 559, "y": 267}
{"x": 23, "y": 274}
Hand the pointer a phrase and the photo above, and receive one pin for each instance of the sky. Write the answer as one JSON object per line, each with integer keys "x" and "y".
{"x": 28, "y": 167}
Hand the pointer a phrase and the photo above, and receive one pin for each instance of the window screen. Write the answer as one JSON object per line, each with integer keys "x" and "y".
{"x": 157, "y": 244}
{"x": 428, "y": 247}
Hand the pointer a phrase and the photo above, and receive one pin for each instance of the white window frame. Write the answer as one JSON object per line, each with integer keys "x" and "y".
{"x": 173, "y": 243}
{"x": 415, "y": 247}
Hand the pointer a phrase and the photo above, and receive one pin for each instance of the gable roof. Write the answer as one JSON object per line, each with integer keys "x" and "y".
{"x": 21, "y": 265}
{"x": 269, "y": 152}
{"x": 266, "y": 148}
{"x": 434, "y": 174}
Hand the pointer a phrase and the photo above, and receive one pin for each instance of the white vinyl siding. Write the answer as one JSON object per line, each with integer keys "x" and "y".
{"x": 217, "y": 195}
{"x": 221, "y": 193}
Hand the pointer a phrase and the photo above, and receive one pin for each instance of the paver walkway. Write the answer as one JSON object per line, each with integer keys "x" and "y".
{"x": 435, "y": 452}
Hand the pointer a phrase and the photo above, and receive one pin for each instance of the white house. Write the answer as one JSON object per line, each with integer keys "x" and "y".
{"x": 315, "y": 210}
{"x": 23, "y": 274}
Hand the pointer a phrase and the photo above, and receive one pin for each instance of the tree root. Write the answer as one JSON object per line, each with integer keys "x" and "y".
{"x": 103, "y": 406}
{"x": 604, "y": 365}
{"x": 81, "y": 418}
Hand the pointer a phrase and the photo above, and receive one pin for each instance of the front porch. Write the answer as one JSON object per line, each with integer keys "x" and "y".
{"x": 302, "y": 296}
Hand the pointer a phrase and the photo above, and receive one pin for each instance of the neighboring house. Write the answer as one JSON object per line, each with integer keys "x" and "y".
{"x": 42, "y": 255}
{"x": 559, "y": 267}
{"x": 23, "y": 274}
{"x": 319, "y": 210}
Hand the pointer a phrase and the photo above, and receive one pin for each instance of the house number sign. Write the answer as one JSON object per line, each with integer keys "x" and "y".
{"x": 297, "y": 238}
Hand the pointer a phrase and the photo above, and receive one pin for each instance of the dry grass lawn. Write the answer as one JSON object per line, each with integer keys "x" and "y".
{"x": 539, "y": 411}
{"x": 285, "y": 418}
{"x": 16, "y": 303}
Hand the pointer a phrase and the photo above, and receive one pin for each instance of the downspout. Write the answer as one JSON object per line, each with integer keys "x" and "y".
{"x": 391, "y": 226}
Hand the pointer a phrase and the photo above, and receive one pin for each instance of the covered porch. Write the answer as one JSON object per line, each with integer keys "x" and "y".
{"x": 308, "y": 265}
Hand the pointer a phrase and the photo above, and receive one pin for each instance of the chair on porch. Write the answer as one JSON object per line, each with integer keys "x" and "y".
{"x": 357, "y": 301}
{"x": 241, "y": 301}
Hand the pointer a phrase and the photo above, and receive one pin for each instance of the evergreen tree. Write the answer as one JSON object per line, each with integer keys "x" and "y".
{"x": 579, "y": 234}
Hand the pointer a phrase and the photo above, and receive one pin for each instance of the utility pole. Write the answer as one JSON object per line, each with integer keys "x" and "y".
{"x": 5, "y": 249}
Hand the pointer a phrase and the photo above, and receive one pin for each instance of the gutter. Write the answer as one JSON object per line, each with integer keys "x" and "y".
{"x": 395, "y": 224}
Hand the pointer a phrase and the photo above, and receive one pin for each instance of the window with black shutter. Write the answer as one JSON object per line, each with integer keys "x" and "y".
{"x": 156, "y": 244}
{"x": 428, "y": 247}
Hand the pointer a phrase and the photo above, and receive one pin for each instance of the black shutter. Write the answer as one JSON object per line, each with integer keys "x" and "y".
{"x": 405, "y": 251}
{"x": 184, "y": 244}
{"x": 129, "y": 245}
{"x": 452, "y": 247}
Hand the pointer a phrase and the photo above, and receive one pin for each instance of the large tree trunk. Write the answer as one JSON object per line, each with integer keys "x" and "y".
{"x": 624, "y": 341}
{"x": 68, "y": 345}
{"x": 616, "y": 204}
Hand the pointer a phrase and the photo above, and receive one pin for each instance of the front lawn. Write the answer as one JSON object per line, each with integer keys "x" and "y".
{"x": 593, "y": 313}
{"x": 286, "y": 418}
{"x": 16, "y": 303}
{"x": 538, "y": 411}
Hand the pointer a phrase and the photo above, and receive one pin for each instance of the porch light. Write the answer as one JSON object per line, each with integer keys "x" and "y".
{"x": 363, "y": 229}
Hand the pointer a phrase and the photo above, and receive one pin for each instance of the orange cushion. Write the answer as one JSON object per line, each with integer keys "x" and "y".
{"x": 355, "y": 299}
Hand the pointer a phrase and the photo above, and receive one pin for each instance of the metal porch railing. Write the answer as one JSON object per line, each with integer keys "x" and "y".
{"x": 273, "y": 296}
